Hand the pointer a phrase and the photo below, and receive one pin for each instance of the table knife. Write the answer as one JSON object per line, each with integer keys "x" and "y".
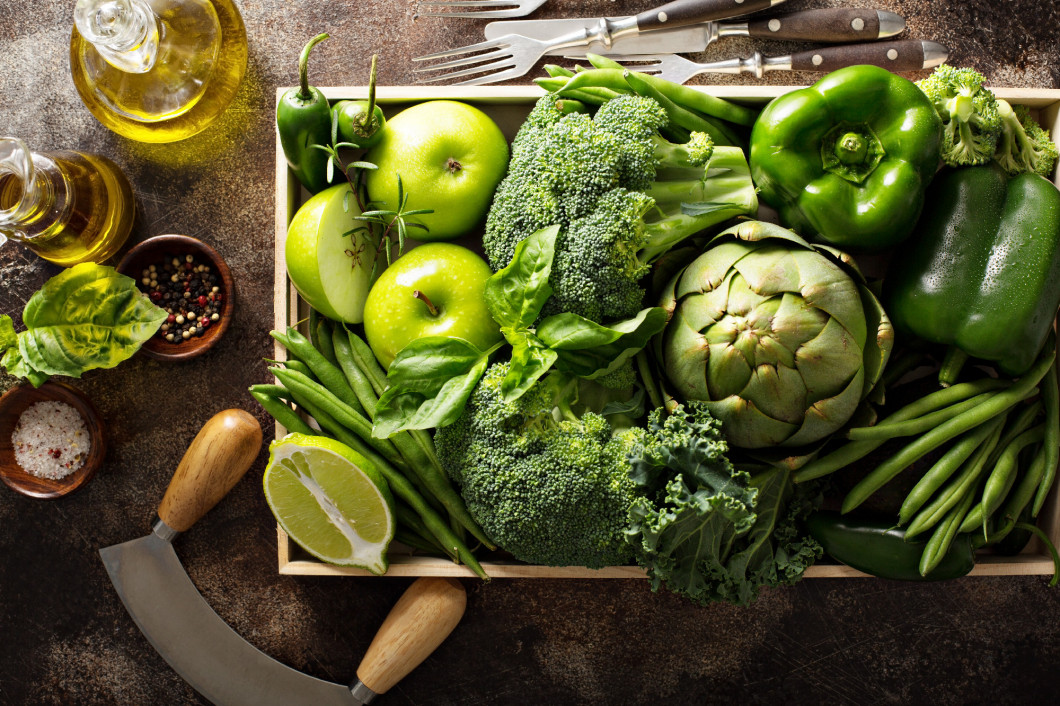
{"x": 837, "y": 25}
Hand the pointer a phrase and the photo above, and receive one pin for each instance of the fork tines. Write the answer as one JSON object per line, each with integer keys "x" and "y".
{"x": 485, "y": 9}
{"x": 476, "y": 60}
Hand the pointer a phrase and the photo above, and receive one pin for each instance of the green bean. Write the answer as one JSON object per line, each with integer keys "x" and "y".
{"x": 701, "y": 102}
{"x": 907, "y": 361}
{"x": 569, "y": 105}
{"x": 977, "y": 444}
{"x": 314, "y": 322}
{"x": 602, "y": 62}
{"x": 294, "y": 364}
{"x": 323, "y": 399}
{"x": 358, "y": 381}
{"x": 325, "y": 371}
{"x": 943, "y": 536}
{"x": 415, "y": 527}
{"x": 365, "y": 359}
{"x": 323, "y": 337}
{"x": 1051, "y": 398}
{"x": 283, "y": 414}
{"x": 675, "y": 133}
{"x": 414, "y": 541}
{"x": 551, "y": 84}
{"x": 680, "y": 116}
{"x": 885, "y": 431}
{"x": 1000, "y": 480}
{"x": 1018, "y": 500}
{"x": 272, "y": 391}
{"x": 556, "y": 71}
{"x": 1001, "y": 402}
{"x": 1016, "y": 426}
{"x": 853, "y": 451}
{"x": 597, "y": 78}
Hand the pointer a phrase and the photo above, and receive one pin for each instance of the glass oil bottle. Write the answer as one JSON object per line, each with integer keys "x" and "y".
{"x": 68, "y": 207}
{"x": 157, "y": 70}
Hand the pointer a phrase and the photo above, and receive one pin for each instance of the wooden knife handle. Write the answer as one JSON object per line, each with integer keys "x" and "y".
{"x": 420, "y": 621}
{"x": 840, "y": 24}
{"x": 683, "y": 12}
{"x": 217, "y": 458}
{"x": 905, "y": 55}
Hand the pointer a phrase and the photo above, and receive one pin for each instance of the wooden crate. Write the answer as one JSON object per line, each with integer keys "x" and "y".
{"x": 508, "y": 105}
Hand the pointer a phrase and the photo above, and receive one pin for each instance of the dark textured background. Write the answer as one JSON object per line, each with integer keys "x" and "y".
{"x": 64, "y": 635}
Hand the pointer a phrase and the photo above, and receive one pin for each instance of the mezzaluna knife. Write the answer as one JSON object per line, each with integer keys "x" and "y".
{"x": 209, "y": 654}
{"x": 834, "y": 25}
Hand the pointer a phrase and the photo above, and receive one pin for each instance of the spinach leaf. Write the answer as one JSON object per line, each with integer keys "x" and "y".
{"x": 590, "y": 350}
{"x": 430, "y": 381}
{"x": 515, "y": 294}
{"x": 84, "y": 318}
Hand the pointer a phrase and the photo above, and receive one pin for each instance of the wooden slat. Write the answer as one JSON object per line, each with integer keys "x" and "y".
{"x": 512, "y": 102}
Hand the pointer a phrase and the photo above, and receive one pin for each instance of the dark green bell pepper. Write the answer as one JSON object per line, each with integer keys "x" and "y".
{"x": 983, "y": 272}
{"x": 847, "y": 160}
{"x": 303, "y": 119}
{"x": 881, "y": 549}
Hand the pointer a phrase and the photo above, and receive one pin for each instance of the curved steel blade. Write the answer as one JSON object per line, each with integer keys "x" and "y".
{"x": 193, "y": 639}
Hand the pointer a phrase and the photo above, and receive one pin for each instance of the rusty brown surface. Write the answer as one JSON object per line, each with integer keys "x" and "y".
{"x": 64, "y": 635}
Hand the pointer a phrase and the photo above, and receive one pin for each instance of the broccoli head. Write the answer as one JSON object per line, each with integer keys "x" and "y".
{"x": 971, "y": 123}
{"x": 621, "y": 193}
{"x": 547, "y": 485}
{"x": 1024, "y": 145}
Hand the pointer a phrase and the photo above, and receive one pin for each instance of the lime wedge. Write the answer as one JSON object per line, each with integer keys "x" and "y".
{"x": 330, "y": 500}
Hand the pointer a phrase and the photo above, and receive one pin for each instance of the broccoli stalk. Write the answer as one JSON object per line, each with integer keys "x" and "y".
{"x": 1024, "y": 146}
{"x": 971, "y": 123}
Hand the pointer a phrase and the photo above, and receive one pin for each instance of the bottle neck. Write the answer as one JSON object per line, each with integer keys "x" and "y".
{"x": 124, "y": 32}
{"x": 24, "y": 192}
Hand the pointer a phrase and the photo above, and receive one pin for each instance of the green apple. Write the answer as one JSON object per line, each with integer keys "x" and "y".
{"x": 450, "y": 156}
{"x": 328, "y": 265}
{"x": 435, "y": 289}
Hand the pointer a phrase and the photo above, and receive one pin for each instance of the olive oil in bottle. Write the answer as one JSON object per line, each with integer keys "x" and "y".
{"x": 157, "y": 70}
{"x": 68, "y": 207}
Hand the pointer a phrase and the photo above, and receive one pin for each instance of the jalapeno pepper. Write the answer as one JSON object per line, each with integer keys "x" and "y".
{"x": 360, "y": 123}
{"x": 881, "y": 549}
{"x": 303, "y": 119}
{"x": 847, "y": 160}
{"x": 983, "y": 272}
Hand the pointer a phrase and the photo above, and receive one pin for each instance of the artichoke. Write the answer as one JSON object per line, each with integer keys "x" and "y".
{"x": 782, "y": 339}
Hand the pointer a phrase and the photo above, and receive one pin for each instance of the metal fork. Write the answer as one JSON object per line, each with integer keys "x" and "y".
{"x": 512, "y": 55}
{"x": 905, "y": 55}
{"x": 477, "y": 8}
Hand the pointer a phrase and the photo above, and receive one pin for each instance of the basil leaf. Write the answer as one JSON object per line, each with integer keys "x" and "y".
{"x": 515, "y": 294}
{"x": 426, "y": 364}
{"x": 530, "y": 360}
{"x": 400, "y": 408}
{"x": 84, "y": 318}
{"x": 590, "y": 350}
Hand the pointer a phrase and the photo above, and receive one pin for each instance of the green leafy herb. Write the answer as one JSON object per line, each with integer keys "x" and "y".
{"x": 591, "y": 350}
{"x": 86, "y": 317}
{"x": 394, "y": 223}
{"x": 516, "y": 293}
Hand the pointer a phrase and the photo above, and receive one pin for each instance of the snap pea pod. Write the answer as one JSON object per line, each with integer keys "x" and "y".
{"x": 1001, "y": 479}
{"x": 570, "y": 105}
{"x": 552, "y": 83}
{"x": 325, "y": 371}
{"x": 556, "y": 71}
{"x": 282, "y": 413}
{"x": 681, "y": 116}
{"x": 855, "y": 450}
{"x": 612, "y": 79}
{"x": 887, "y": 430}
{"x": 998, "y": 404}
{"x": 938, "y": 546}
{"x": 978, "y": 445}
{"x": 1051, "y": 400}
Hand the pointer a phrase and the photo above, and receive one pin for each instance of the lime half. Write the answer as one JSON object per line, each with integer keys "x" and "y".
{"x": 330, "y": 500}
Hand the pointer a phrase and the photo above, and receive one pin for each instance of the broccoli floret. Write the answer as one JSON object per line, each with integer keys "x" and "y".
{"x": 1024, "y": 145}
{"x": 547, "y": 485}
{"x": 971, "y": 124}
{"x": 622, "y": 195}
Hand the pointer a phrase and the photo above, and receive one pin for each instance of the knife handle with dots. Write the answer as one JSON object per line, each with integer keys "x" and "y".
{"x": 837, "y": 24}
{"x": 684, "y": 12}
{"x": 217, "y": 458}
{"x": 904, "y": 55}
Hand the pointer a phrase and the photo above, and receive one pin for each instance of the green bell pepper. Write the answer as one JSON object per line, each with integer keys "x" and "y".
{"x": 847, "y": 160}
{"x": 983, "y": 273}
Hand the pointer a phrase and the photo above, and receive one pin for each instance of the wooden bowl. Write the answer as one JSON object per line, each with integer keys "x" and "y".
{"x": 14, "y": 402}
{"x": 154, "y": 251}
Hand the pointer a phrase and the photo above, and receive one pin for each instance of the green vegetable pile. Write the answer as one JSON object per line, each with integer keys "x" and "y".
{"x": 719, "y": 399}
